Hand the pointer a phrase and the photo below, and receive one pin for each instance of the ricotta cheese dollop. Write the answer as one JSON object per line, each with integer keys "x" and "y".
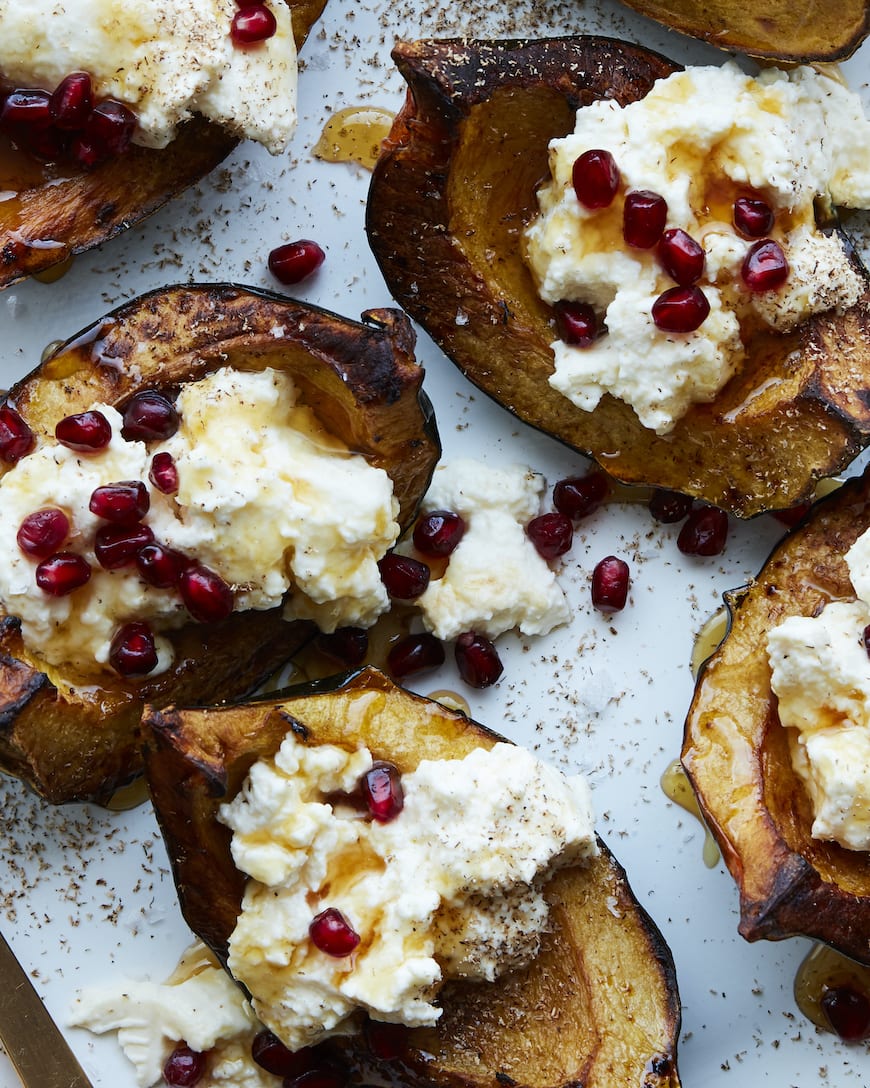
{"x": 166, "y": 62}
{"x": 700, "y": 139}
{"x": 279, "y": 508}
{"x": 450, "y": 888}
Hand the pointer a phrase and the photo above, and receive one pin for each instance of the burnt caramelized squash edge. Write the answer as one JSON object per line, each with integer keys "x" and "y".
{"x": 599, "y": 1007}
{"x": 736, "y": 755}
{"x": 453, "y": 188}
{"x": 71, "y": 738}
{"x": 49, "y": 222}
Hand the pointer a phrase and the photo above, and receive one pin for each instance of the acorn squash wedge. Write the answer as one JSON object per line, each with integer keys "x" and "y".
{"x": 450, "y": 195}
{"x": 813, "y": 30}
{"x": 51, "y": 218}
{"x": 736, "y": 753}
{"x": 598, "y": 1007}
{"x": 72, "y": 738}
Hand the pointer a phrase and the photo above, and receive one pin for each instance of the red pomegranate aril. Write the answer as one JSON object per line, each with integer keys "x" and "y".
{"x": 48, "y": 144}
{"x": 271, "y": 1054}
{"x": 184, "y": 1068}
{"x": 71, "y": 102}
{"x": 347, "y": 645}
{"x": 552, "y": 534}
{"x": 793, "y": 514}
{"x": 159, "y": 565}
{"x": 477, "y": 659}
{"x": 595, "y": 177}
{"x": 576, "y": 323}
{"x": 164, "y": 473}
{"x": 252, "y": 23}
{"x": 42, "y": 532}
{"x": 681, "y": 257}
{"x": 110, "y": 126}
{"x": 644, "y": 215}
{"x": 87, "y": 153}
{"x": 610, "y": 580}
{"x": 117, "y": 546}
{"x": 704, "y": 532}
{"x": 132, "y": 651}
{"x": 121, "y": 503}
{"x": 437, "y": 533}
{"x": 579, "y": 496}
{"x": 28, "y": 108}
{"x": 753, "y": 217}
{"x": 404, "y": 578}
{"x": 865, "y": 638}
{"x": 386, "y": 1041}
{"x": 415, "y": 653}
{"x": 764, "y": 267}
{"x": 680, "y": 309}
{"x": 62, "y": 573}
{"x": 332, "y": 933}
{"x": 382, "y": 791}
{"x": 149, "y": 416}
{"x": 295, "y": 261}
{"x": 84, "y": 432}
{"x": 16, "y": 438}
{"x": 848, "y": 1012}
{"x": 206, "y": 595}
{"x": 669, "y": 506}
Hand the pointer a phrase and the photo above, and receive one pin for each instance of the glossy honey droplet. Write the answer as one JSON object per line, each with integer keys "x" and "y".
{"x": 354, "y": 134}
{"x": 824, "y": 974}
{"x": 677, "y": 788}
{"x": 709, "y": 639}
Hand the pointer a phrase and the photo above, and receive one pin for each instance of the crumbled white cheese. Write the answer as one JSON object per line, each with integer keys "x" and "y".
{"x": 495, "y": 579}
{"x": 450, "y": 887}
{"x": 199, "y": 1005}
{"x": 266, "y": 498}
{"x": 165, "y": 62}
{"x": 700, "y": 138}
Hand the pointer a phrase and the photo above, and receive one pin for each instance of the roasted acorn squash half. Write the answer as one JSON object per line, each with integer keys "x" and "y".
{"x": 599, "y": 1007}
{"x": 813, "y": 30}
{"x": 52, "y": 218}
{"x": 736, "y": 752}
{"x": 453, "y": 189}
{"x": 73, "y": 739}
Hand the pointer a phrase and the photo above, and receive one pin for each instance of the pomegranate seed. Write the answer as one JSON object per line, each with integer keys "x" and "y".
{"x": 405, "y": 578}
{"x": 271, "y": 1054}
{"x": 159, "y": 565}
{"x": 578, "y": 496}
{"x": 576, "y": 323}
{"x": 477, "y": 659}
{"x": 184, "y": 1067}
{"x": 438, "y": 533}
{"x": 644, "y": 215}
{"x": 595, "y": 177}
{"x": 61, "y": 573}
{"x": 206, "y": 595}
{"x": 252, "y": 23}
{"x": 347, "y": 645}
{"x": 865, "y": 636}
{"x": 318, "y": 1078}
{"x": 86, "y": 152}
{"x": 148, "y": 416}
{"x": 164, "y": 473}
{"x": 295, "y": 261}
{"x": 704, "y": 532}
{"x": 71, "y": 102}
{"x": 764, "y": 266}
{"x": 848, "y": 1012}
{"x": 386, "y": 1041}
{"x": 793, "y": 515}
{"x": 753, "y": 217}
{"x": 669, "y": 506}
{"x": 118, "y": 545}
{"x": 42, "y": 532}
{"x": 331, "y": 932}
{"x": 16, "y": 438}
{"x": 84, "y": 432}
{"x": 680, "y": 309}
{"x": 110, "y": 127}
{"x": 48, "y": 144}
{"x": 415, "y": 653}
{"x": 132, "y": 651}
{"x": 682, "y": 257}
{"x": 121, "y": 503}
{"x": 382, "y": 790}
{"x": 610, "y": 580}
{"x": 552, "y": 534}
{"x": 30, "y": 108}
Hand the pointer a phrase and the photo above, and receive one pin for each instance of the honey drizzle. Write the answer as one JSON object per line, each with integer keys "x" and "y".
{"x": 676, "y": 787}
{"x": 354, "y": 134}
{"x": 822, "y": 969}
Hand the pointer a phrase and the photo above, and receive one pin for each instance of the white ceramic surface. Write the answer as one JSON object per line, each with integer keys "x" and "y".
{"x": 87, "y": 895}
